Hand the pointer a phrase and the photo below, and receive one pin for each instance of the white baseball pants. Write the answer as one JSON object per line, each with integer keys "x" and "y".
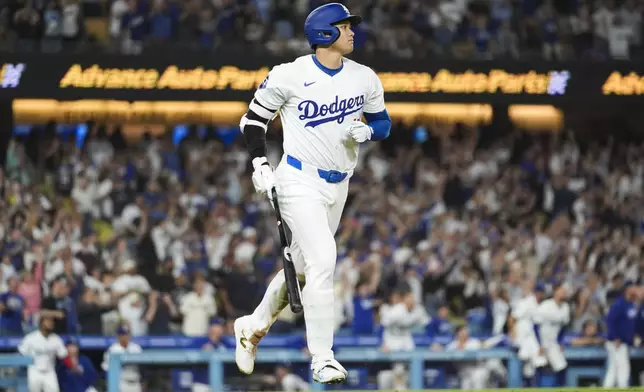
{"x": 474, "y": 377}
{"x": 311, "y": 208}
{"x": 38, "y": 381}
{"x": 197, "y": 387}
{"x": 125, "y": 386}
{"x": 618, "y": 366}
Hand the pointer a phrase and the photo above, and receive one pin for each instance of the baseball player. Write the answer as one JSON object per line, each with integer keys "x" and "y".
{"x": 80, "y": 379}
{"x": 552, "y": 316}
{"x": 524, "y": 315}
{"x": 473, "y": 374}
{"x": 321, "y": 98}
{"x": 44, "y": 347}
{"x": 130, "y": 375}
{"x": 200, "y": 376}
{"x": 621, "y": 323}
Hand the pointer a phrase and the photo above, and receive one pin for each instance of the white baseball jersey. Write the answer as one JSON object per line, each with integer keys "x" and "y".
{"x": 524, "y": 312}
{"x": 129, "y": 373}
{"x": 398, "y": 323}
{"x": 43, "y": 349}
{"x": 551, "y": 317}
{"x": 316, "y": 108}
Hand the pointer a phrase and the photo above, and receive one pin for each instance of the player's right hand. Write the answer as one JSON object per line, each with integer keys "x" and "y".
{"x": 263, "y": 176}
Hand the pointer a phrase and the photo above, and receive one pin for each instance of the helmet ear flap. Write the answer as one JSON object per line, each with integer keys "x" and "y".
{"x": 327, "y": 35}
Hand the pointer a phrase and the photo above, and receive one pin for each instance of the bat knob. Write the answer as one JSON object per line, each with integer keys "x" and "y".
{"x": 296, "y": 308}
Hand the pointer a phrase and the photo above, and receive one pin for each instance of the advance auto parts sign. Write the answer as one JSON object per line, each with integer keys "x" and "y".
{"x": 469, "y": 82}
{"x": 444, "y": 81}
{"x": 228, "y": 77}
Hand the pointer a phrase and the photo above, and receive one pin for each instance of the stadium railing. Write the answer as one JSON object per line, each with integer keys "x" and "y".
{"x": 182, "y": 351}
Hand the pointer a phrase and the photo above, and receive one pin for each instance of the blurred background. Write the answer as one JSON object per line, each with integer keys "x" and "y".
{"x": 125, "y": 188}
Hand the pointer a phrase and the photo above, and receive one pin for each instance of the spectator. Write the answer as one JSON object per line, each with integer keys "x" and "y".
{"x": 363, "y": 308}
{"x": 52, "y": 27}
{"x": 12, "y": 310}
{"x": 440, "y": 325}
{"x": 197, "y": 308}
{"x": 134, "y": 27}
{"x": 603, "y": 18}
{"x": 160, "y": 23}
{"x": 161, "y": 312}
{"x": 589, "y": 337}
{"x": 118, "y": 9}
{"x": 620, "y": 36}
{"x": 91, "y": 310}
{"x": 130, "y": 289}
{"x": 28, "y": 24}
{"x": 241, "y": 288}
{"x": 60, "y": 307}
{"x": 29, "y": 290}
{"x": 71, "y": 22}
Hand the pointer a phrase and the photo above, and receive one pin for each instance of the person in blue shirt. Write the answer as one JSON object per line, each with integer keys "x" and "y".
{"x": 363, "y": 308}
{"x": 440, "y": 325}
{"x": 12, "y": 307}
{"x": 621, "y": 322}
{"x": 214, "y": 342}
{"x": 82, "y": 377}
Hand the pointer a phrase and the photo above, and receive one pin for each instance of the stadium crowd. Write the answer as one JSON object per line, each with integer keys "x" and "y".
{"x": 483, "y": 29}
{"x": 119, "y": 229}
{"x": 454, "y": 221}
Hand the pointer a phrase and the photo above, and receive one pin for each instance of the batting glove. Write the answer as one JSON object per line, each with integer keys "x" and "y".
{"x": 263, "y": 176}
{"x": 360, "y": 132}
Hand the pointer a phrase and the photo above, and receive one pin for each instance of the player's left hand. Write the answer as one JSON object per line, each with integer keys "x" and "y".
{"x": 359, "y": 131}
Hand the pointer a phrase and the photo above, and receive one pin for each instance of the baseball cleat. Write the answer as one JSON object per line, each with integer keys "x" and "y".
{"x": 245, "y": 349}
{"x": 329, "y": 372}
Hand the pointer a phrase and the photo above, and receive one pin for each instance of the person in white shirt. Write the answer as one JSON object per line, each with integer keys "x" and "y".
{"x": 44, "y": 347}
{"x": 524, "y": 337}
{"x": 131, "y": 289}
{"x": 399, "y": 319}
{"x": 474, "y": 374}
{"x": 71, "y": 19}
{"x": 130, "y": 375}
{"x": 129, "y": 215}
{"x": 84, "y": 195}
{"x": 620, "y": 36}
{"x": 321, "y": 99}
{"x": 57, "y": 267}
{"x": 289, "y": 381}
{"x": 552, "y": 316}
{"x": 197, "y": 308}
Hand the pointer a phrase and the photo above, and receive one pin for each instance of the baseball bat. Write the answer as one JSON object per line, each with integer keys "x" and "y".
{"x": 292, "y": 284}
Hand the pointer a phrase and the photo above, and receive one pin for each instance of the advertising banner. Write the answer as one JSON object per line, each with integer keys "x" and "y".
{"x": 211, "y": 77}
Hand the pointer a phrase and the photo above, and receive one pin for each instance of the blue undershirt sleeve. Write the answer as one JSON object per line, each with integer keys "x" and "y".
{"x": 380, "y": 123}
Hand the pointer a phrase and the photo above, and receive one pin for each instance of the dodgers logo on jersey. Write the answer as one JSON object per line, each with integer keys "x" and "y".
{"x": 338, "y": 110}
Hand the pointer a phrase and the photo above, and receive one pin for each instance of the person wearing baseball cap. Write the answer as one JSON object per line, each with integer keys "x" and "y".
{"x": 82, "y": 377}
{"x": 130, "y": 375}
{"x": 621, "y": 322}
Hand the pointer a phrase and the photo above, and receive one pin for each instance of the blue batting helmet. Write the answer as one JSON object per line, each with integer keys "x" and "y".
{"x": 319, "y": 25}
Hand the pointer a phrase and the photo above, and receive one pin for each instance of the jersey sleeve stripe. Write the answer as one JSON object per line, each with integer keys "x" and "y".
{"x": 261, "y": 110}
{"x": 251, "y": 115}
{"x": 251, "y": 123}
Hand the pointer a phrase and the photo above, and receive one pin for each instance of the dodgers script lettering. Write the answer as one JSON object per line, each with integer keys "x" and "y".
{"x": 338, "y": 110}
